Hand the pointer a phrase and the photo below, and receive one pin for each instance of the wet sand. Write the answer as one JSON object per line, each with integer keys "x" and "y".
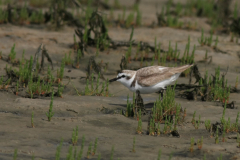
{"x": 85, "y": 111}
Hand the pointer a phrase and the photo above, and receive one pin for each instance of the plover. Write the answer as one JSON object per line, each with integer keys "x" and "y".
{"x": 149, "y": 79}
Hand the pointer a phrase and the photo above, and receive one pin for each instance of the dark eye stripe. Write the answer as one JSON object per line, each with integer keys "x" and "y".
{"x": 123, "y": 76}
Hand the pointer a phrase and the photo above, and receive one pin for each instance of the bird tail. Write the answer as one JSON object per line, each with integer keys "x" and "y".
{"x": 181, "y": 68}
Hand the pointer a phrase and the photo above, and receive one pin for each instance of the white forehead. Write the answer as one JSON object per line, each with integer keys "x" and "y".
{"x": 120, "y": 74}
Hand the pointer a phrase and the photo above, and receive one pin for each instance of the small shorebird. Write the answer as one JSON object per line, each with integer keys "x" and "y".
{"x": 149, "y": 79}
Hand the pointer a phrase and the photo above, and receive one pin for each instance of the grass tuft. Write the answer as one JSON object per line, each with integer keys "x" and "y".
{"x": 50, "y": 113}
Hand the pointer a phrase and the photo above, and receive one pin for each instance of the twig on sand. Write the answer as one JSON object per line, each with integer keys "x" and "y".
{"x": 44, "y": 53}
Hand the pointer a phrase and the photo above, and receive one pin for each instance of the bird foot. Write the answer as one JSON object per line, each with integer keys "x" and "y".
{"x": 139, "y": 104}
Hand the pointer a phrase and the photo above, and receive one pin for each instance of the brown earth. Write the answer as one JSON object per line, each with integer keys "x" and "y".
{"x": 84, "y": 111}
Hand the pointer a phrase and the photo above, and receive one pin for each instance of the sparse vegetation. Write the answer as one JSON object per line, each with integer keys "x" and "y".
{"x": 163, "y": 109}
{"x": 139, "y": 128}
{"x": 207, "y": 40}
{"x": 200, "y": 143}
{"x": 96, "y": 91}
{"x": 159, "y": 154}
{"x": 12, "y": 54}
{"x": 207, "y": 124}
{"x": 75, "y": 136}
{"x": 192, "y": 143}
{"x": 95, "y": 147}
{"x": 15, "y": 154}
{"x": 223, "y": 134}
{"x": 89, "y": 150}
{"x": 50, "y": 113}
{"x": 238, "y": 140}
{"x": 111, "y": 157}
{"x": 57, "y": 155}
{"x": 93, "y": 43}
{"x": 82, "y": 147}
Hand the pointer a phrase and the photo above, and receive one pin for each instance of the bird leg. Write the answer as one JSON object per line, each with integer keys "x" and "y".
{"x": 161, "y": 94}
{"x": 139, "y": 104}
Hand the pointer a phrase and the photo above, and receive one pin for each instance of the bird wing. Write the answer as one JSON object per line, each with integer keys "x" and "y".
{"x": 150, "y": 76}
{"x": 147, "y": 71}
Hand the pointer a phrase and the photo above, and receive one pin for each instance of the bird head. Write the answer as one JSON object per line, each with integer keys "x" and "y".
{"x": 121, "y": 77}
{"x": 125, "y": 77}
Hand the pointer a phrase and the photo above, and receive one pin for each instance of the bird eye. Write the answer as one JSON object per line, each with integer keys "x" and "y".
{"x": 123, "y": 76}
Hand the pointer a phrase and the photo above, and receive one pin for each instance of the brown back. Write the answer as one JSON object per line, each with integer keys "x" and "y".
{"x": 150, "y": 76}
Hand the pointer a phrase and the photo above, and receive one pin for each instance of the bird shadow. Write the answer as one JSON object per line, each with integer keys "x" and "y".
{"x": 147, "y": 105}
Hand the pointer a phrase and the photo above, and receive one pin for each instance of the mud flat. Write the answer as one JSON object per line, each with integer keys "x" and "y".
{"x": 100, "y": 111}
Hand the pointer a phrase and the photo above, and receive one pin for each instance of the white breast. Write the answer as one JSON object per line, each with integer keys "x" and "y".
{"x": 156, "y": 87}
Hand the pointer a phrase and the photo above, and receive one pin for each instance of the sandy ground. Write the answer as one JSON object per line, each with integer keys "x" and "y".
{"x": 84, "y": 111}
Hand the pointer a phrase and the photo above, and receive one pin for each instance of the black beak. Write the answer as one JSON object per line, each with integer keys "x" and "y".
{"x": 114, "y": 79}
